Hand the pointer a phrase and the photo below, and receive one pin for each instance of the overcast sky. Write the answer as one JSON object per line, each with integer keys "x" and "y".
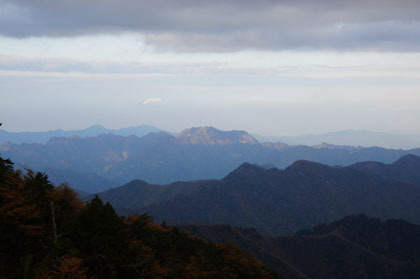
{"x": 270, "y": 67}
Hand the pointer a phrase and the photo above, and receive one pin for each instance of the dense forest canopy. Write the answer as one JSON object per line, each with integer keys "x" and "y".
{"x": 48, "y": 232}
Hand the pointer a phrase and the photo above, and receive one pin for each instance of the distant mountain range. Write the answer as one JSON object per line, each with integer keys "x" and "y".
{"x": 92, "y": 131}
{"x": 362, "y": 138}
{"x": 354, "y": 138}
{"x": 285, "y": 192}
{"x": 278, "y": 201}
{"x": 162, "y": 158}
{"x": 354, "y": 247}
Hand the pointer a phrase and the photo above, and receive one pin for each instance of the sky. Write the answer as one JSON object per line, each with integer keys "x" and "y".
{"x": 270, "y": 67}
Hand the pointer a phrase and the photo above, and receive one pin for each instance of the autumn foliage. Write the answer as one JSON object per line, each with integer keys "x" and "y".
{"x": 48, "y": 232}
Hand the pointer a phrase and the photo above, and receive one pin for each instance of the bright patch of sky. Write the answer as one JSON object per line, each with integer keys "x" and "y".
{"x": 352, "y": 67}
{"x": 129, "y": 49}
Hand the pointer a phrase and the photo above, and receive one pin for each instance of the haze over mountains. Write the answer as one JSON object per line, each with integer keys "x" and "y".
{"x": 92, "y": 131}
{"x": 362, "y": 138}
{"x": 277, "y": 201}
{"x": 161, "y": 158}
{"x": 356, "y": 138}
{"x": 316, "y": 170}
{"x": 213, "y": 177}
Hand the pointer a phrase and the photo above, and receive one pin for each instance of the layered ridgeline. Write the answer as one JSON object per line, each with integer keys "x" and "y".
{"x": 357, "y": 137}
{"x": 47, "y": 232}
{"x": 353, "y": 247}
{"x": 92, "y": 131}
{"x": 160, "y": 158}
{"x": 276, "y": 201}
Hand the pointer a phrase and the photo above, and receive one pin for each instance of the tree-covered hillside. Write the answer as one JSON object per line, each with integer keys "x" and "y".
{"x": 351, "y": 248}
{"x": 47, "y": 232}
{"x": 274, "y": 201}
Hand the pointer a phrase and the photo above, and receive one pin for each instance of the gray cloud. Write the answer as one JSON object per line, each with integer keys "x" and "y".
{"x": 228, "y": 25}
{"x": 13, "y": 63}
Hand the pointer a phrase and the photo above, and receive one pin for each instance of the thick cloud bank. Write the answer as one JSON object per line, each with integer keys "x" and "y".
{"x": 225, "y": 25}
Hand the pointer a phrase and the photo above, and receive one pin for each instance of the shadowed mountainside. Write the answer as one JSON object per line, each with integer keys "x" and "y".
{"x": 353, "y": 247}
{"x": 273, "y": 201}
{"x": 406, "y": 169}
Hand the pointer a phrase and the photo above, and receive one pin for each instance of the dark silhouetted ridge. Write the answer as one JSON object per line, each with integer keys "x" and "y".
{"x": 275, "y": 201}
{"x": 353, "y": 247}
{"x": 246, "y": 169}
{"x": 408, "y": 160}
{"x": 307, "y": 165}
{"x": 406, "y": 169}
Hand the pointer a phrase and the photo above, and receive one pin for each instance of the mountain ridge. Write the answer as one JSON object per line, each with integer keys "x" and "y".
{"x": 355, "y": 246}
{"x": 404, "y": 169}
{"x": 94, "y": 130}
{"x": 278, "y": 201}
{"x": 162, "y": 158}
{"x": 363, "y": 138}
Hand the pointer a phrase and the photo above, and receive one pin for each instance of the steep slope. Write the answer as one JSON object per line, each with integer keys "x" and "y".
{"x": 353, "y": 247}
{"x": 273, "y": 200}
{"x": 406, "y": 169}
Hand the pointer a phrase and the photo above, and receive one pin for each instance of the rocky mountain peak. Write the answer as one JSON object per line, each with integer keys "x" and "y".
{"x": 213, "y": 136}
